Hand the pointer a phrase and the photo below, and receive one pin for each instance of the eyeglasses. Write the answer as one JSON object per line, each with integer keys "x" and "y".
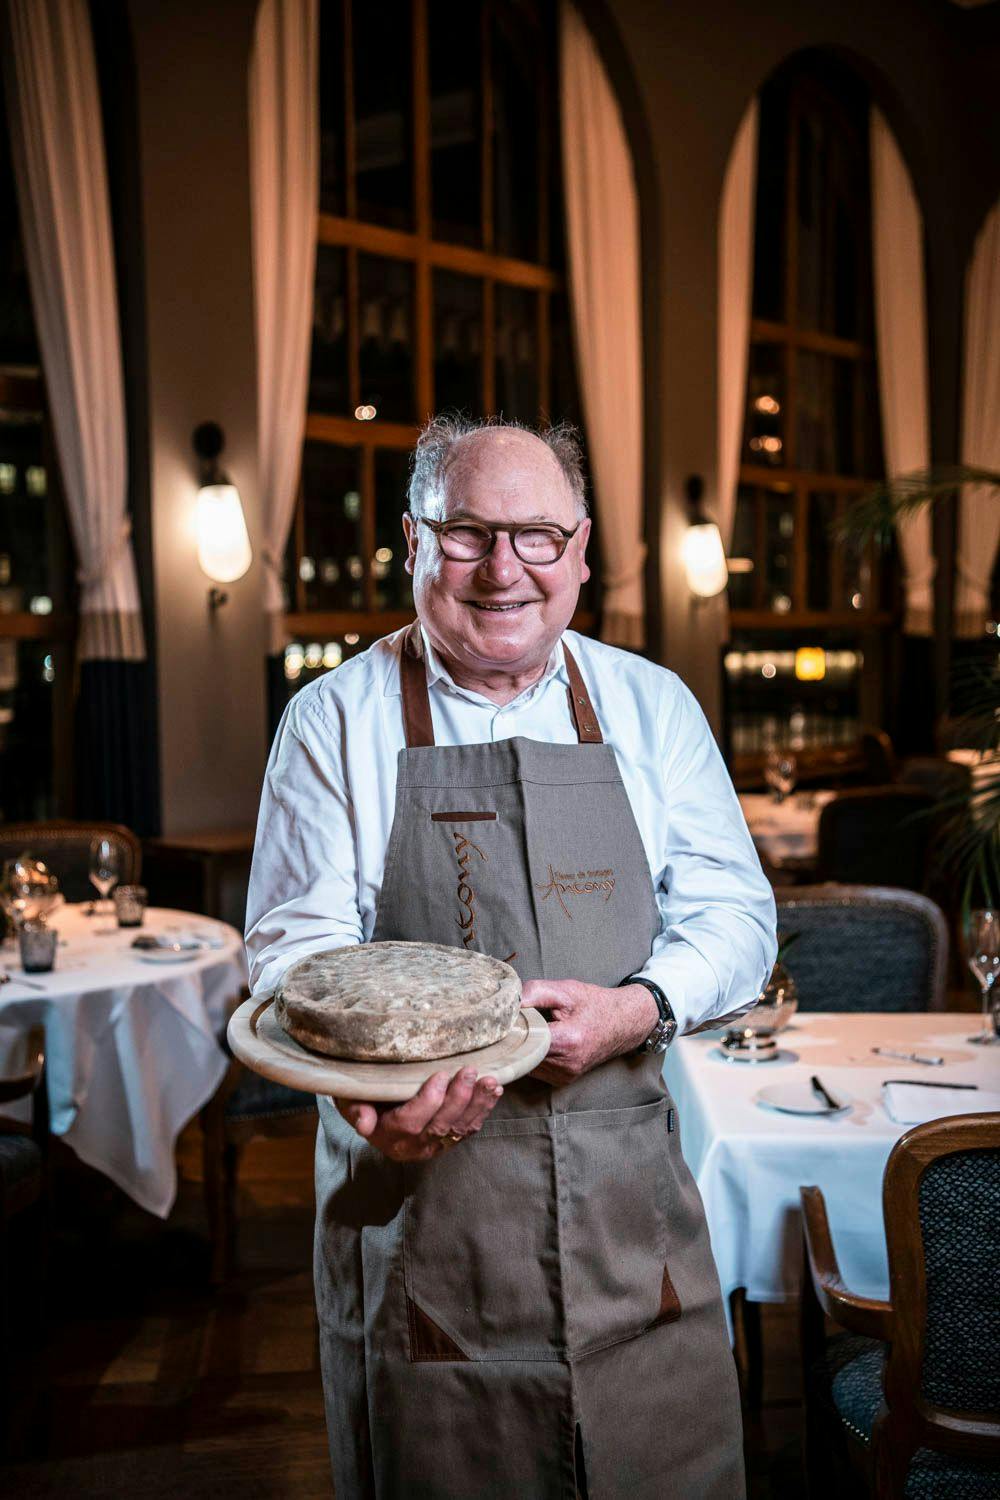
{"x": 471, "y": 541}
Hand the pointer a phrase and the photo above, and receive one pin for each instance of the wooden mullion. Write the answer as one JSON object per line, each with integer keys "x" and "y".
{"x": 353, "y": 329}
{"x": 423, "y": 288}
{"x": 543, "y": 156}
{"x": 422, "y": 216}
{"x": 790, "y": 308}
{"x": 486, "y": 126}
{"x": 368, "y": 528}
{"x": 299, "y": 522}
{"x": 321, "y": 428}
{"x": 760, "y": 548}
{"x": 22, "y": 625}
{"x": 765, "y": 331}
{"x": 398, "y": 244}
{"x": 837, "y": 561}
{"x": 810, "y": 619}
{"x": 327, "y": 624}
{"x": 489, "y": 348}
{"x": 781, "y": 481}
{"x": 800, "y": 549}
{"x": 544, "y": 357}
{"x": 350, "y": 142}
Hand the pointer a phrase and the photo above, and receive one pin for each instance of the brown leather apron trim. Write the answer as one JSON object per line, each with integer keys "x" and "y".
{"x": 670, "y": 1303}
{"x": 413, "y": 685}
{"x": 427, "y": 1340}
{"x": 587, "y": 728}
{"x": 464, "y": 817}
{"x": 417, "y": 721}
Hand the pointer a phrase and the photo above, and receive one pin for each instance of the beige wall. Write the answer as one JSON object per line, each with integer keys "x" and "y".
{"x": 191, "y": 64}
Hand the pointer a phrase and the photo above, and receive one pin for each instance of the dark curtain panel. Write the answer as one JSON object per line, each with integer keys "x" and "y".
{"x": 116, "y": 745}
{"x": 277, "y": 692}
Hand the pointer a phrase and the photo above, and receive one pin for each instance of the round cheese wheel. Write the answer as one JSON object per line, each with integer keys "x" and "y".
{"x": 397, "y": 1002}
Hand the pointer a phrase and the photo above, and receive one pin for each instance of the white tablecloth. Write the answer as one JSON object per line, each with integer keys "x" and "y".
{"x": 787, "y": 830}
{"x": 131, "y": 1050}
{"x": 749, "y": 1162}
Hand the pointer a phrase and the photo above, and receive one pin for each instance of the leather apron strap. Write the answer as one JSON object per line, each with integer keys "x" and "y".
{"x": 417, "y": 721}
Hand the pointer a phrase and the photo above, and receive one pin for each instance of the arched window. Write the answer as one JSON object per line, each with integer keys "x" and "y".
{"x": 37, "y": 596}
{"x": 439, "y": 281}
{"x": 812, "y": 435}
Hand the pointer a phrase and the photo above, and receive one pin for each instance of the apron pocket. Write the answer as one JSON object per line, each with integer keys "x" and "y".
{"x": 616, "y": 1179}
{"x": 480, "y": 1248}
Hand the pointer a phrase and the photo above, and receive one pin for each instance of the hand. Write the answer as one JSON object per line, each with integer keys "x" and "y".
{"x": 588, "y": 1024}
{"x": 443, "y": 1113}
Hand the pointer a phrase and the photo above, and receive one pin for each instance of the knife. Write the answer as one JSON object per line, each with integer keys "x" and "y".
{"x": 931, "y": 1062}
{"x": 929, "y": 1083}
{"x": 821, "y": 1091}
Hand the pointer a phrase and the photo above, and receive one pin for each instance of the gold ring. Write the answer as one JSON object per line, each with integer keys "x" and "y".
{"x": 453, "y": 1138}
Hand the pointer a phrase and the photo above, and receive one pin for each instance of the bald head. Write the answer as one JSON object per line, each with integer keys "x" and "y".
{"x": 506, "y": 457}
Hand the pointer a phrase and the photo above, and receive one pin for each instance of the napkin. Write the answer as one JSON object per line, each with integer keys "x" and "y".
{"x": 916, "y": 1103}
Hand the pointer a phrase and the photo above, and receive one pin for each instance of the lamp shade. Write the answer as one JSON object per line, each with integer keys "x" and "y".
{"x": 705, "y": 559}
{"x": 224, "y": 552}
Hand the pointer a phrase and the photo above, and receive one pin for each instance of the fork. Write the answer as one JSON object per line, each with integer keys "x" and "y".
{"x": 29, "y": 984}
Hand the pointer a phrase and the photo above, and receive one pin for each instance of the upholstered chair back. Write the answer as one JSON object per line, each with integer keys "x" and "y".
{"x": 65, "y": 848}
{"x": 864, "y": 948}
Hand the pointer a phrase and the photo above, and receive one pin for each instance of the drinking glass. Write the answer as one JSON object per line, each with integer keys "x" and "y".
{"x": 780, "y": 773}
{"x": 105, "y": 868}
{"x": 982, "y": 951}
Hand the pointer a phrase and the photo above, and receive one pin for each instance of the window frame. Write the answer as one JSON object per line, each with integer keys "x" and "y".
{"x": 791, "y": 338}
{"x": 419, "y": 249}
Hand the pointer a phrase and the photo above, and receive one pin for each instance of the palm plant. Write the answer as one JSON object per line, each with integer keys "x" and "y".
{"x": 967, "y": 844}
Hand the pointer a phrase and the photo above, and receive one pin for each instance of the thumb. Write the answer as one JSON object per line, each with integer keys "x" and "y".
{"x": 363, "y": 1117}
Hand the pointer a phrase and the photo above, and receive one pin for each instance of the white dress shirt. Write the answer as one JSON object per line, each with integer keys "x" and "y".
{"x": 329, "y": 794}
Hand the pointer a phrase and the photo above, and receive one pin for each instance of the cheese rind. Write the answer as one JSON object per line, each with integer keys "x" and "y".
{"x": 397, "y": 1002}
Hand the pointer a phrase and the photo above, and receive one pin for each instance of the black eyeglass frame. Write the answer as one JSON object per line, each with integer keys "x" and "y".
{"x": 512, "y": 528}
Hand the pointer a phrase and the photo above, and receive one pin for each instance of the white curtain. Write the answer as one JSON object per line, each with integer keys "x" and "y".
{"x": 284, "y": 170}
{"x": 979, "y": 515}
{"x": 602, "y": 219}
{"x": 901, "y": 338}
{"x": 736, "y": 233}
{"x": 58, "y": 152}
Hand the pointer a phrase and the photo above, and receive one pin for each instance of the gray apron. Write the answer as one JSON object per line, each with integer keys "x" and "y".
{"x": 552, "y": 1272}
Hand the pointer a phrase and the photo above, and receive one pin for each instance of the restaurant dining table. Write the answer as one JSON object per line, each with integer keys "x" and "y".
{"x": 749, "y": 1161}
{"x": 130, "y": 1035}
{"x": 786, "y": 832}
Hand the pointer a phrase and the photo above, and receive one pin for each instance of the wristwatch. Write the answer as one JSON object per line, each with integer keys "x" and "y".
{"x": 665, "y": 1030}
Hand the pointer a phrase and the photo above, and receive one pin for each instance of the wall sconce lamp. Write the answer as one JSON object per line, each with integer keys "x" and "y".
{"x": 703, "y": 553}
{"x": 224, "y": 552}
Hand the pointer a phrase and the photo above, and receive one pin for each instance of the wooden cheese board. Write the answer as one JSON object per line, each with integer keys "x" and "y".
{"x": 261, "y": 1045}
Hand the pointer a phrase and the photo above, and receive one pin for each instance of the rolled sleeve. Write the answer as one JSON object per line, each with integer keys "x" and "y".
{"x": 303, "y": 893}
{"x": 716, "y": 944}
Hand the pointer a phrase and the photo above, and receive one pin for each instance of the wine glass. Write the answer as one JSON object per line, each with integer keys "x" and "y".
{"x": 982, "y": 951}
{"x": 781, "y": 773}
{"x": 105, "y": 868}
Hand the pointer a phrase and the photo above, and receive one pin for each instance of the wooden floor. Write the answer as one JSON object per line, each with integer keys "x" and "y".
{"x": 158, "y": 1387}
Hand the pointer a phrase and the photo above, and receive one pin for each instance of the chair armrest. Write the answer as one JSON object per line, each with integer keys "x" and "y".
{"x": 864, "y": 1315}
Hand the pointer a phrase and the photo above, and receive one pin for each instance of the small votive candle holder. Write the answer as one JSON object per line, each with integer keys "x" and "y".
{"x": 130, "y": 904}
{"x": 38, "y": 946}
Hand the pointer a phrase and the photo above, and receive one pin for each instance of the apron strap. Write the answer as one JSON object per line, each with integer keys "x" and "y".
{"x": 417, "y": 704}
{"x": 413, "y": 683}
{"x": 588, "y": 731}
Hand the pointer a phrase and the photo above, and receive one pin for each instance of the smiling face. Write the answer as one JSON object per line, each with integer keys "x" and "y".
{"x": 496, "y": 621}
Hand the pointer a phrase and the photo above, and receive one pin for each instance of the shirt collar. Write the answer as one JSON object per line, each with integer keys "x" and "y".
{"x": 438, "y": 673}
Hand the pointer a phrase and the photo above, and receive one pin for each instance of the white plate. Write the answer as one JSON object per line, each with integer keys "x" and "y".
{"x": 169, "y": 955}
{"x": 797, "y": 1098}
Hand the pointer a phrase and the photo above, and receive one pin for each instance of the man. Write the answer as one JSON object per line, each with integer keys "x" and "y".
{"x": 515, "y": 1288}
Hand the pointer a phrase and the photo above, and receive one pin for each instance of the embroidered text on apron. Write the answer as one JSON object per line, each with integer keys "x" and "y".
{"x": 555, "y": 1268}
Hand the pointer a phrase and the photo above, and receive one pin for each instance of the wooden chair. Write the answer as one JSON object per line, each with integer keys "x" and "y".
{"x": 865, "y": 948}
{"x": 65, "y": 848}
{"x": 909, "y": 1395}
{"x": 245, "y": 1107}
{"x": 23, "y": 1198}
